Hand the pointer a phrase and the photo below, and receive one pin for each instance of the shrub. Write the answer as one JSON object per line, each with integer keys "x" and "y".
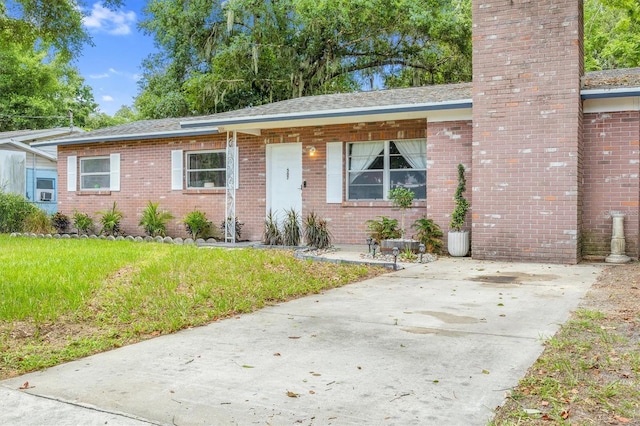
{"x": 291, "y": 232}
{"x": 60, "y": 222}
{"x": 316, "y": 232}
{"x": 238, "y": 228}
{"x": 14, "y": 209}
{"x": 38, "y": 222}
{"x": 272, "y": 235}
{"x": 383, "y": 229}
{"x": 462, "y": 205}
{"x": 83, "y": 222}
{"x": 110, "y": 221}
{"x": 153, "y": 221}
{"x": 197, "y": 224}
{"x": 429, "y": 234}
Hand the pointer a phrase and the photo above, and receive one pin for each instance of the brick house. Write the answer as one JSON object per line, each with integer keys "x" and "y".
{"x": 550, "y": 152}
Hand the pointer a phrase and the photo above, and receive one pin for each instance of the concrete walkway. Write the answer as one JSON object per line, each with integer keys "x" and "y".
{"x": 431, "y": 344}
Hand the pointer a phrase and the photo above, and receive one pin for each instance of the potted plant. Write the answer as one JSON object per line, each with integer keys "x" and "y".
{"x": 403, "y": 199}
{"x": 458, "y": 239}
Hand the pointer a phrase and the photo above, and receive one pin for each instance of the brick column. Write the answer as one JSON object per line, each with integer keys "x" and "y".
{"x": 527, "y": 130}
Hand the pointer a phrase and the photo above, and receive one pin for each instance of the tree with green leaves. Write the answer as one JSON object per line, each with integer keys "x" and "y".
{"x": 612, "y": 34}
{"x": 38, "y": 83}
{"x": 217, "y": 56}
{"x": 57, "y": 23}
{"x": 39, "y": 87}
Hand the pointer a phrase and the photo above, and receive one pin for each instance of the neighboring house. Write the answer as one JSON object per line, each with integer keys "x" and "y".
{"x": 549, "y": 152}
{"x": 30, "y": 171}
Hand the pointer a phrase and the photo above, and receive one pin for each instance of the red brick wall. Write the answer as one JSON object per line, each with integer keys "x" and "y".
{"x": 610, "y": 180}
{"x": 146, "y": 175}
{"x": 527, "y": 65}
{"x": 448, "y": 144}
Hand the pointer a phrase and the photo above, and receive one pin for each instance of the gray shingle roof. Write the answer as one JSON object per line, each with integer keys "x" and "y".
{"x": 612, "y": 79}
{"x": 358, "y": 100}
{"x": 624, "y": 78}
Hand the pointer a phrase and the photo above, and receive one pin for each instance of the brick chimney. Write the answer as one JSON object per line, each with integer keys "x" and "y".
{"x": 527, "y": 130}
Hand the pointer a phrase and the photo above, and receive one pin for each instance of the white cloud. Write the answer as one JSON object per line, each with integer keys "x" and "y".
{"x": 109, "y": 21}
{"x": 98, "y": 76}
{"x": 107, "y": 98}
{"x": 114, "y": 71}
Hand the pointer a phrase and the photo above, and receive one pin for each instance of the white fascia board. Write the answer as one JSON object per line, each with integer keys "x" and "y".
{"x": 52, "y": 133}
{"x": 131, "y": 136}
{"x": 24, "y": 147}
{"x": 598, "y": 105}
{"x": 334, "y": 116}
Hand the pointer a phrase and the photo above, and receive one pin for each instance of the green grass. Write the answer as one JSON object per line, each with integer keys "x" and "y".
{"x": 64, "y": 299}
{"x": 587, "y": 375}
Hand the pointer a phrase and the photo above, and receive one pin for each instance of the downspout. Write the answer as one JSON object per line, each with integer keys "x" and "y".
{"x": 34, "y": 178}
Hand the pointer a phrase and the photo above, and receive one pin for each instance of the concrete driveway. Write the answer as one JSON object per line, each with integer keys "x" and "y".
{"x": 431, "y": 344}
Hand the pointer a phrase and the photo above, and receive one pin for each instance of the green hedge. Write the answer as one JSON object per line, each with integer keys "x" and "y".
{"x": 13, "y": 211}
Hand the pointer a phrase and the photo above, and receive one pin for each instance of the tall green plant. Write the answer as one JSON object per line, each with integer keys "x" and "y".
{"x": 197, "y": 224}
{"x": 154, "y": 221}
{"x": 38, "y": 222}
{"x": 291, "y": 230}
{"x": 83, "y": 222}
{"x": 459, "y": 214}
{"x": 383, "y": 229}
{"x": 403, "y": 199}
{"x": 272, "y": 235}
{"x": 429, "y": 234}
{"x": 110, "y": 220}
{"x": 14, "y": 209}
{"x": 316, "y": 231}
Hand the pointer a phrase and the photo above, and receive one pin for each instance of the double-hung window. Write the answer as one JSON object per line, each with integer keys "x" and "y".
{"x": 374, "y": 168}
{"x": 201, "y": 169}
{"x": 95, "y": 173}
{"x": 206, "y": 169}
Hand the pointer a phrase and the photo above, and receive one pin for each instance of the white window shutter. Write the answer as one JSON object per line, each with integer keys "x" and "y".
{"x": 176, "y": 169}
{"x": 334, "y": 172}
{"x": 72, "y": 173}
{"x": 114, "y": 168}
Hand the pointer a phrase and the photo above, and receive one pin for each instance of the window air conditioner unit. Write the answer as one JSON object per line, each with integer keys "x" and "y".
{"x": 46, "y": 196}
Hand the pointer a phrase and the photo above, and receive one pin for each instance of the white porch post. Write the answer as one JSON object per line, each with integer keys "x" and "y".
{"x": 230, "y": 218}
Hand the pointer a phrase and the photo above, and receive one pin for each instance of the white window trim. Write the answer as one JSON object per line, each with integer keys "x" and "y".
{"x": 179, "y": 170}
{"x": 386, "y": 171}
{"x": 74, "y": 172}
{"x": 206, "y": 151}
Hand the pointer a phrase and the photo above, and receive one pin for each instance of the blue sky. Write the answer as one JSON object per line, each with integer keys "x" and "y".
{"x": 112, "y": 67}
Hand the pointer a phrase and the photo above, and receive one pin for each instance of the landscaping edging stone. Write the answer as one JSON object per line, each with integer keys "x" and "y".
{"x": 165, "y": 240}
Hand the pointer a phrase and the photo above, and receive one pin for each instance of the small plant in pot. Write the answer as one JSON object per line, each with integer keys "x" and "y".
{"x": 403, "y": 199}
{"x": 458, "y": 239}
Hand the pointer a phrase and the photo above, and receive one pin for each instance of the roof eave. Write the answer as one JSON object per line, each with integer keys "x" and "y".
{"x": 341, "y": 114}
{"x": 130, "y": 136}
{"x": 610, "y": 93}
{"x": 28, "y": 148}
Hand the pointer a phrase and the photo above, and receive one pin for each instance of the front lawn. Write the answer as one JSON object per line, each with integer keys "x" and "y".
{"x": 65, "y": 299}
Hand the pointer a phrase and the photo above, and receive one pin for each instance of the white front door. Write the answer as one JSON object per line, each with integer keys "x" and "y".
{"x": 284, "y": 178}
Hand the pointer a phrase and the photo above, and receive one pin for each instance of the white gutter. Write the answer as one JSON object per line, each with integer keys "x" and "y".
{"x": 610, "y": 93}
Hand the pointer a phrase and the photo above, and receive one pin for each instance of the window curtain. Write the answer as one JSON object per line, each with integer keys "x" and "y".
{"x": 363, "y": 155}
{"x": 414, "y": 152}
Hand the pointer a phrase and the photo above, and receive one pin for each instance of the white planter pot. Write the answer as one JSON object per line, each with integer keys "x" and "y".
{"x": 458, "y": 243}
